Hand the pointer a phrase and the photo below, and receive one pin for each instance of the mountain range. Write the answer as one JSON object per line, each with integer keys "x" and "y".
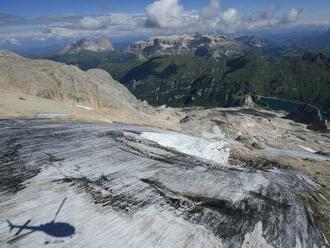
{"x": 200, "y": 44}
{"x": 213, "y": 70}
{"x": 237, "y": 170}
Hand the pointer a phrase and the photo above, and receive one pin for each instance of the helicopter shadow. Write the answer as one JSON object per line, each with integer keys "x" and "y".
{"x": 52, "y": 228}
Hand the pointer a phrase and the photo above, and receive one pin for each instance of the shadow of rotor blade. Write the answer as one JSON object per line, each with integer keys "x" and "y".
{"x": 19, "y": 237}
{"x": 21, "y": 228}
{"x": 59, "y": 209}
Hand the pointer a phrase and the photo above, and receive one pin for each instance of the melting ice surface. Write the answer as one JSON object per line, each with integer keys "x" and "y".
{"x": 215, "y": 151}
{"x": 275, "y": 152}
{"x": 125, "y": 188}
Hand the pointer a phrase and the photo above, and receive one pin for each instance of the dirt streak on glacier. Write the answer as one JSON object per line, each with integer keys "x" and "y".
{"x": 124, "y": 190}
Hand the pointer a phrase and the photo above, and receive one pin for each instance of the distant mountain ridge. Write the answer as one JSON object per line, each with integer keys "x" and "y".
{"x": 215, "y": 45}
{"x": 102, "y": 44}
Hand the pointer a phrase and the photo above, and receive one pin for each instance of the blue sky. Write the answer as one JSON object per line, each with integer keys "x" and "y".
{"x": 317, "y": 9}
{"x": 56, "y": 19}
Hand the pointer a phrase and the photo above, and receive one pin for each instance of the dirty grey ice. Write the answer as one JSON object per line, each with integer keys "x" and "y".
{"x": 116, "y": 185}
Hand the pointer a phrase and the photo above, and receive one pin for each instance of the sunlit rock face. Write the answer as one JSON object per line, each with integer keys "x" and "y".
{"x": 102, "y": 44}
{"x": 65, "y": 83}
{"x": 135, "y": 186}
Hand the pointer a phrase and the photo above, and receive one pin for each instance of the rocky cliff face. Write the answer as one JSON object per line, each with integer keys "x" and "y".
{"x": 187, "y": 43}
{"x": 51, "y": 80}
{"x": 101, "y": 44}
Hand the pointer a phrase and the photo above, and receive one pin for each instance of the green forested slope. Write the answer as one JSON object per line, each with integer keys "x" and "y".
{"x": 187, "y": 80}
{"x": 183, "y": 80}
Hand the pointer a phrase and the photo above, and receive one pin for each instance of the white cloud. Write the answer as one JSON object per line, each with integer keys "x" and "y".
{"x": 231, "y": 16}
{"x": 170, "y": 15}
{"x": 160, "y": 17}
{"x": 165, "y": 14}
{"x": 269, "y": 18}
{"x": 264, "y": 15}
{"x": 211, "y": 10}
{"x": 121, "y": 19}
{"x": 12, "y": 41}
{"x": 93, "y": 23}
{"x": 293, "y": 15}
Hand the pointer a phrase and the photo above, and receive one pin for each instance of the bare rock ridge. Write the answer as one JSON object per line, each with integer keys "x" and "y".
{"x": 51, "y": 80}
{"x": 102, "y": 44}
{"x": 218, "y": 45}
{"x": 187, "y": 43}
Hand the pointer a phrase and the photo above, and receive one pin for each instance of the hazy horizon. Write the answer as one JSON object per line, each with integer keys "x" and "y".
{"x": 28, "y": 23}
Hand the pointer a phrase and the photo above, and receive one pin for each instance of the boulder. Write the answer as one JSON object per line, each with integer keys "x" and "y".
{"x": 309, "y": 115}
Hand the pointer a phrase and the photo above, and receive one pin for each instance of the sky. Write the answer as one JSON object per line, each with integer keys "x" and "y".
{"x": 22, "y": 20}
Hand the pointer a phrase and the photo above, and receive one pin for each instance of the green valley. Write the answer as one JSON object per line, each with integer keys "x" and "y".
{"x": 189, "y": 80}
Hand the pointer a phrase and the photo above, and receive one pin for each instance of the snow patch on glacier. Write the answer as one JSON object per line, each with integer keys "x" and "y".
{"x": 214, "y": 151}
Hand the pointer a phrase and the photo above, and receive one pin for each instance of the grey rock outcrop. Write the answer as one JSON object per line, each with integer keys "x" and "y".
{"x": 309, "y": 115}
{"x": 66, "y": 83}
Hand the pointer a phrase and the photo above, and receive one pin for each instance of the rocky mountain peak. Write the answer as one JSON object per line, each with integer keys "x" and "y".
{"x": 103, "y": 43}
